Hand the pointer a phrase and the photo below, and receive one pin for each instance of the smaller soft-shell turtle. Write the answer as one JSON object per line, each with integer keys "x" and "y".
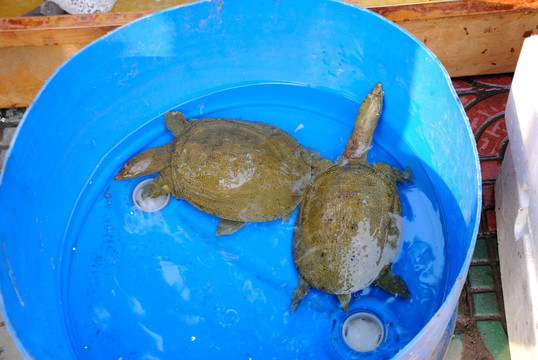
{"x": 348, "y": 230}
{"x": 240, "y": 171}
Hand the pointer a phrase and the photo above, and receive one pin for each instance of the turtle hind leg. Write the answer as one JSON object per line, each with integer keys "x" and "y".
{"x": 408, "y": 175}
{"x": 226, "y": 227}
{"x": 345, "y": 299}
{"x": 299, "y": 293}
{"x": 393, "y": 283}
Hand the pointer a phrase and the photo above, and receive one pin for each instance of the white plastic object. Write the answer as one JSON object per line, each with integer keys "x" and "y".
{"x": 363, "y": 332}
{"x": 148, "y": 204}
{"x": 86, "y": 6}
{"x": 516, "y": 197}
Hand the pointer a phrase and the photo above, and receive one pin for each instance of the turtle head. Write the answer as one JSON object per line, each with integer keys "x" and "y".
{"x": 147, "y": 162}
{"x": 360, "y": 140}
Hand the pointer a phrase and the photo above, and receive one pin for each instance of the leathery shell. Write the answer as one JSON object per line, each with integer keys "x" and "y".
{"x": 240, "y": 170}
{"x": 348, "y": 228}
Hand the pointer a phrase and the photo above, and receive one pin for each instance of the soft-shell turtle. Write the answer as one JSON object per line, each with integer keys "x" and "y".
{"x": 240, "y": 171}
{"x": 348, "y": 230}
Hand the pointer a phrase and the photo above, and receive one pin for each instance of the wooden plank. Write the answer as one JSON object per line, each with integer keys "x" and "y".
{"x": 477, "y": 44}
{"x": 24, "y": 70}
{"x": 60, "y": 30}
{"x": 469, "y": 37}
{"x": 443, "y": 10}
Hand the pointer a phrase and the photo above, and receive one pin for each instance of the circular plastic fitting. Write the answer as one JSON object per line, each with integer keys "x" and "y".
{"x": 363, "y": 331}
{"x": 148, "y": 204}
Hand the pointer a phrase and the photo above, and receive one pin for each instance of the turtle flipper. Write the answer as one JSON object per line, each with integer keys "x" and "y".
{"x": 147, "y": 162}
{"x": 175, "y": 122}
{"x": 299, "y": 293}
{"x": 392, "y": 283}
{"x": 162, "y": 185}
{"x": 393, "y": 174}
{"x": 318, "y": 162}
{"x": 226, "y": 227}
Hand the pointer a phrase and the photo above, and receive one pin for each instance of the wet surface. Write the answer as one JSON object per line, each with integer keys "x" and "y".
{"x": 106, "y": 310}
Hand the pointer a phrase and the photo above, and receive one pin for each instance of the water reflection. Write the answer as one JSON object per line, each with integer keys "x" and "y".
{"x": 156, "y": 337}
{"x": 142, "y": 223}
{"x": 229, "y": 318}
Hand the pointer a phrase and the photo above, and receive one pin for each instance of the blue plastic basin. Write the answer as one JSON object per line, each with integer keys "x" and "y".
{"x": 85, "y": 274}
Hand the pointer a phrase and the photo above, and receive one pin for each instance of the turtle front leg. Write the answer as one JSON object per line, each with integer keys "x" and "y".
{"x": 393, "y": 174}
{"x": 147, "y": 162}
{"x": 175, "y": 122}
{"x": 299, "y": 293}
{"x": 162, "y": 185}
{"x": 318, "y": 162}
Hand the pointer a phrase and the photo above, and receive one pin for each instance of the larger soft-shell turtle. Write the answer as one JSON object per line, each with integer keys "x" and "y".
{"x": 240, "y": 171}
{"x": 348, "y": 230}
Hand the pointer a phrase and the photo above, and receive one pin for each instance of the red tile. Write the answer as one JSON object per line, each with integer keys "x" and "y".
{"x": 486, "y": 109}
{"x": 466, "y": 99}
{"x": 491, "y": 220}
{"x": 489, "y": 169}
{"x": 488, "y": 195}
{"x": 490, "y": 140}
{"x": 460, "y": 84}
{"x": 495, "y": 80}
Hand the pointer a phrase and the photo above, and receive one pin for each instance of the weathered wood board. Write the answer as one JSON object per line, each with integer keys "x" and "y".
{"x": 469, "y": 37}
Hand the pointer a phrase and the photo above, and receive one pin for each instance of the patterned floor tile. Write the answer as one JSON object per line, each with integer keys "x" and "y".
{"x": 481, "y": 324}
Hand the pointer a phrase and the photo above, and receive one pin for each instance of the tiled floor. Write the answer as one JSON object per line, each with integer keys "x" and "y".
{"x": 481, "y": 325}
{"x": 9, "y": 119}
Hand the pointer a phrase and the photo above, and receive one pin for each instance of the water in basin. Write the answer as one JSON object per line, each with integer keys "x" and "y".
{"x": 156, "y": 285}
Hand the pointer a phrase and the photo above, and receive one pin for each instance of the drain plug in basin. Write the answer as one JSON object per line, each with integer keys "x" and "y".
{"x": 363, "y": 332}
{"x": 148, "y": 204}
